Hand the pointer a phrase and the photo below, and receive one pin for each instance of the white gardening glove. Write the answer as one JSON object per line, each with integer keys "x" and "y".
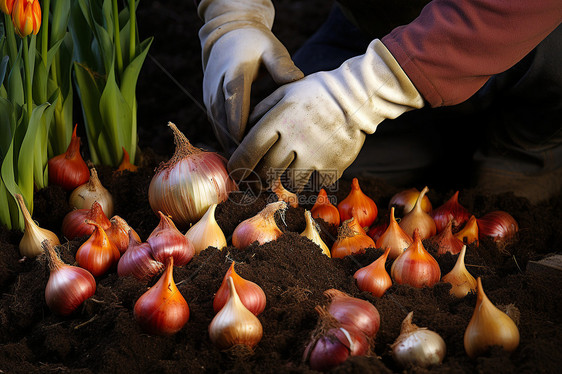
{"x": 236, "y": 40}
{"x": 320, "y": 122}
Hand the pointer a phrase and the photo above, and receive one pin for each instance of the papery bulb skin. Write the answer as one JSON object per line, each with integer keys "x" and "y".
{"x": 126, "y": 164}
{"x": 335, "y": 346}
{"x": 119, "y": 232}
{"x": 83, "y": 196}
{"x": 68, "y": 286}
{"x": 376, "y": 231}
{"x": 461, "y": 280}
{"x": 234, "y": 324}
{"x": 394, "y": 238}
{"x": 30, "y": 244}
{"x": 311, "y": 232}
{"x": 352, "y": 311}
{"x": 418, "y": 346}
{"x": 162, "y": 310}
{"x": 350, "y": 242}
{"x": 137, "y": 261}
{"x": 284, "y": 195}
{"x": 206, "y": 232}
{"x": 260, "y": 228}
{"x": 445, "y": 241}
{"x": 69, "y": 170}
{"x": 74, "y": 223}
{"x": 167, "y": 241}
{"x": 498, "y": 225}
{"x": 358, "y": 205}
{"x": 405, "y": 200}
{"x": 185, "y": 186}
{"x": 374, "y": 278}
{"x": 417, "y": 218}
{"x": 450, "y": 209}
{"x": 325, "y": 210}
{"x": 97, "y": 254}
{"x": 250, "y": 294}
{"x": 416, "y": 267}
{"x": 354, "y": 225}
{"x": 489, "y": 327}
{"x": 469, "y": 233}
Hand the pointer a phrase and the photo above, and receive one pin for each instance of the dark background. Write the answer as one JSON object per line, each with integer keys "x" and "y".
{"x": 174, "y": 61}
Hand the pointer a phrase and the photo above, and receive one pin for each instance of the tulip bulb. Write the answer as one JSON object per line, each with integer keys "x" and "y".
{"x": 234, "y": 324}
{"x": 260, "y": 228}
{"x": 74, "y": 223}
{"x": 374, "y": 278}
{"x": 162, "y": 310}
{"x": 126, "y": 163}
{"x": 417, "y": 218}
{"x": 349, "y": 242}
{"x": 167, "y": 241}
{"x": 376, "y": 231}
{"x": 406, "y": 199}
{"x": 417, "y": 346}
{"x": 352, "y": 311}
{"x": 186, "y": 186}
{"x": 334, "y": 346}
{"x": 358, "y": 205}
{"x": 119, "y": 232}
{"x": 30, "y": 245}
{"x": 498, "y": 225}
{"x": 452, "y": 209}
{"x": 469, "y": 233}
{"x": 284, "y": 195}
{"x": 416, "y": 267}
{"x": 250, "y": 294}
{"x": 312, "y": 232}
{"x": 394, "y": 238}
{"x": 461, "y": 280}
{"x": 489, "y": 327}
{"x": 84, "y": 195}
{"x": 445, "y": 241}
{"x": 97, "y": 254}
{"x": 325, "y": 210}
{"x": 68, "y": 286}
{"x": 206, "y": 232}
{"x": 138, "y": 261}
{"x": 69, "y": 170}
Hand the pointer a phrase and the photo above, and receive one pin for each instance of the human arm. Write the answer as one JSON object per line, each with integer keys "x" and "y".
{"x": 454, "y": 47}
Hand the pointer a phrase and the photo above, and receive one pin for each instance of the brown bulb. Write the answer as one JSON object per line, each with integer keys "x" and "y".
{"x": 394, "y": 238}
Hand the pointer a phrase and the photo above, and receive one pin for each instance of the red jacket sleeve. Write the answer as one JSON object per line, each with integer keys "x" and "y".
{"x": 454, "y": 46}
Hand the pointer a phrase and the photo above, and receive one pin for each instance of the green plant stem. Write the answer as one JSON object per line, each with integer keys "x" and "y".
{"x": 28, "y": 86}
{"x": 133, "y": 32}
{"x": 118, "y": 53}
{"x": 45, "y": 31}
{"x": 11, "y": 38}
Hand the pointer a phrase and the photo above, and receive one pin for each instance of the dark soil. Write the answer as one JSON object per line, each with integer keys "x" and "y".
{"x": 103, "y": 337}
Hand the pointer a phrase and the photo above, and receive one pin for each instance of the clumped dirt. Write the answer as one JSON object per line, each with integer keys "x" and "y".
{"x": 103, "y": 337}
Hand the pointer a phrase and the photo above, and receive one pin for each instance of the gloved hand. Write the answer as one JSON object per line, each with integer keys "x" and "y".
{"x": 320, "y": 122}
{"x": 236, "y": 40}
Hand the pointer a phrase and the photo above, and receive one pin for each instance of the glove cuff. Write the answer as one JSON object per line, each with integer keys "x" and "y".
{"x": 377, "y": 88}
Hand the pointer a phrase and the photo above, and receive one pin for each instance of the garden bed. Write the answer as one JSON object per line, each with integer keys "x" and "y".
{"x": 103, "y": 337}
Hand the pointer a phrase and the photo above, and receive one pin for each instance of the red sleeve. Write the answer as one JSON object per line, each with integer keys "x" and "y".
{"x": 454, "y": 46}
